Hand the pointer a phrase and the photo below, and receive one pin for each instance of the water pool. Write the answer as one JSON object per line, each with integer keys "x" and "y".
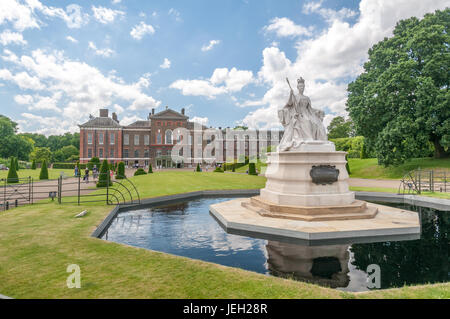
{"x": 187, "y": 229}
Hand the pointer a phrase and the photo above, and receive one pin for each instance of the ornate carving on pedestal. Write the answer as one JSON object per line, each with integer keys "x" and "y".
{"x": 324, "y": 174}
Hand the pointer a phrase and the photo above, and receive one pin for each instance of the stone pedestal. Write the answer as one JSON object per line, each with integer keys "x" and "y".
{"x": 289, "y": 180}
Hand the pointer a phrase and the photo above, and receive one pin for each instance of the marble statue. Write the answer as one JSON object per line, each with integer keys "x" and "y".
{"x": 302, "y": 124}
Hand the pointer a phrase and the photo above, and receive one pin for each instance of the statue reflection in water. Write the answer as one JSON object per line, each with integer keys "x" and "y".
{"x": 323, "y": 265}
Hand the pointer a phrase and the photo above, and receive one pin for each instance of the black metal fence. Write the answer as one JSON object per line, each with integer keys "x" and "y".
{"x": 418, "y": 181}
{"x": 67, "y": 190}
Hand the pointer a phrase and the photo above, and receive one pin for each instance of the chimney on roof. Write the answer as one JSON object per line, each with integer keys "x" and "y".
{"x": 167, "y": 107}
{"x": 103, "y": 112}
{"x": 153, "y": 111}
{"x": 182, "y": 111}
{"x": 114, "y": 117}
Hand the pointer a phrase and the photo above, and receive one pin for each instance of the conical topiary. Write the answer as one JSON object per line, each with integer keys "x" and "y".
{"x": 120, "y": 171}
{"x": 150, "y": 169}
{"x": 12, "y": 173}
{"x": 44, "y": 171}
{"x": 104, "y": 179}
{"x": 252, "y": 169}
{"x": 33, "y": 164}
{"x": 198, "y": 167}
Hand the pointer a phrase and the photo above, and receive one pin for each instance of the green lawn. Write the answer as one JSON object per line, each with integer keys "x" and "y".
{"x": 38, "y": 242}
{"x": 369, "y": 168}
{"x": 34, "y": 173}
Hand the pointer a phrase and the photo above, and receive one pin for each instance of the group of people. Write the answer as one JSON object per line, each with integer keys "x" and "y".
{"x": 95, "y": 173}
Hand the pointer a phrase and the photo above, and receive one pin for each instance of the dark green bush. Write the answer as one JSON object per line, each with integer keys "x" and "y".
{"x": 44, "y": 171}
{"x": 140, "y": 171}
{"x": 150, "y": 169}
{"x": 120, "y": 173}
{"x": 104, "y": 178}
{"x": 218, "y": 170}
{"x": 33, "y": 164}
{"x": 252, "y": 169}
{"x": 12, "y": 173}
{"x": 198, "y": 168}
{"x": 68, "y": 165}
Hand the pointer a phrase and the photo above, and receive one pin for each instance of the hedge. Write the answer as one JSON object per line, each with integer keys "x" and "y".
{"x": 68, "y": 165}
{"x": 140, "y": 171}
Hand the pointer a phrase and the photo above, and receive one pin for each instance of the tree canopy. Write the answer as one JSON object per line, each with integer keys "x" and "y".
{"x": 12, "y": 144}
{"x": 340, "y": 128}
{"x": 400, "y": 103}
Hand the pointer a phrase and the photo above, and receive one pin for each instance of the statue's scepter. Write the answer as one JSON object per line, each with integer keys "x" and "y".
{"x": 292, "y": 91}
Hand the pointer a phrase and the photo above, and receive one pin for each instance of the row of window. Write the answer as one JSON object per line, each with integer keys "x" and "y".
{"x": 101, "y": 138}
{"x": 100, "y": 153}
{"x": 126, "y": 153}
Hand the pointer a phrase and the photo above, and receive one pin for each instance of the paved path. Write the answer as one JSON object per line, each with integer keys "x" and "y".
{"x": 379, "y": 183}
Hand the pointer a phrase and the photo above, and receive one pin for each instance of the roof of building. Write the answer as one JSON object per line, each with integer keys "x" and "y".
{"x": 168, "y": 114}
{"x": 138, "y": 124}
{"x": 101, "y": 122}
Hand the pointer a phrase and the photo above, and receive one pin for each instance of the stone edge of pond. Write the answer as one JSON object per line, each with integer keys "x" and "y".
{"x": 429, "y": 202}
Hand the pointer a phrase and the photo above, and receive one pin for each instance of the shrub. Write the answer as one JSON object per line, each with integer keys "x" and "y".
{"x": 17, "y": 164}
{"x": 44, "y": 171}
{"x": 218, "y": 170}
{"x": 233, "y": 169}
{"x": 93, "y": 161}
{"x": 33, "y": 165}
{"x": 346, "y": 165}
{"x": 69, "y": 165}
{"x": 12, "y": 173}
{"x": 120, "y": 174}
{"x": 252, "y": 169}
{"x": 198, "y": 167}
{"x": 140, "y": 171}
{"x": 104, "y": 178}
{"x": 150, "y": 169}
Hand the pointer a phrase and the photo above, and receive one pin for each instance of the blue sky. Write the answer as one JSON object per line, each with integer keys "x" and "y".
{"x": 224, "y": 61}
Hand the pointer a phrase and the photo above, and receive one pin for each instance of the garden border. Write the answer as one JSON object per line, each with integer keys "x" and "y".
{"x": 430, "y": 202}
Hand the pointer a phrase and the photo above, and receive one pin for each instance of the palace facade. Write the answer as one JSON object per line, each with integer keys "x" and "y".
{"x": 142, "y": 142}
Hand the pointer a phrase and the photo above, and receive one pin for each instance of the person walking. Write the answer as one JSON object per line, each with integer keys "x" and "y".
{"x": 86, "y": 175}
{"x": 76, "y": 171}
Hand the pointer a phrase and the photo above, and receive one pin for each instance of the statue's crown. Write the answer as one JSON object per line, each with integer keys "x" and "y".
{"x": 301, "y": 80}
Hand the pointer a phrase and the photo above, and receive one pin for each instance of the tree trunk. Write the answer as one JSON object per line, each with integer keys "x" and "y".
{"x": 439, "y": 151}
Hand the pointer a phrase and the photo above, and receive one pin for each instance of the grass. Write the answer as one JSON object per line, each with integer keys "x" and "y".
{"x": 369, "y": 168}
{"x": 38, "y": 242}
{"x": 34, "y": 173}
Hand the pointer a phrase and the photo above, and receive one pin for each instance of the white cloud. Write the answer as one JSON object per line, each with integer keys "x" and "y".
{"x": 200, "y": 120}
{"x": 76, "y": 88}
{"x": 116, "y": 1}
{"x": 230, "y": 80}
{"x": 284, "y": 27}
{"x": 106, "y": 52}
{"x": 176, "y": 14}
{"x": 71, "y": 39}
{"x": 327, "y": 61}
{"x": 166, "y": 64}
{"x": 210, "y": 46}
{"x": 127, "y": 120}
{"x": 106, "y": 15}
{"x": 140, "y": 30}
{"x": 40, "y": 102}
{"x": 7, "y": 37}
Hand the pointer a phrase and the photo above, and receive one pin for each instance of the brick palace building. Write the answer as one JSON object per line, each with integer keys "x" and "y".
{"x": 140, "y": 143}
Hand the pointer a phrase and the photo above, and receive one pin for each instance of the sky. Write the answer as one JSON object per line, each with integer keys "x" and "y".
{"x": 225, "y": 62}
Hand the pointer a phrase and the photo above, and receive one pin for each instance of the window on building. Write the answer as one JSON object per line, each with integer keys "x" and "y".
{"x": 169, "y": 137}
{"x": 146, "y": 139}
{"x": 136, "y": 153}
{"x": 125, "y": 153}
{"x": 146, "y": 154}
{"x": 89, "y": 138}
{"x": 100, "y": 152}
{"x": 111, "y": 153}
{"x": 146, "y": 162}
{"x": 158, "y": 137}
{"x": 89, "y": 152}
{"x": 136, "y": 139}
{"x": 100, "y": 138}
{"x": 190, "y": 139}
{"x": 158, "y": 153}
{"x": 126, "y": 139}
{"x": 111, "y": 138}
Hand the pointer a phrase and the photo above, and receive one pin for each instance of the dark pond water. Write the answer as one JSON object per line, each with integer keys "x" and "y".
{"x": 187, "y": 229}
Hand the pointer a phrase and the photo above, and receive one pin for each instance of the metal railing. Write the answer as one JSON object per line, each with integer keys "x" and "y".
{"x": 418, "y": 181}
{"x": 67, "y": 190}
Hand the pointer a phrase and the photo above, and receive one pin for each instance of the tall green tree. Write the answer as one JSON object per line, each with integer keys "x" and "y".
{"x": 12, "y": 144}
{"x": 339, "y": 128}
{"x": 40, "y": 154}
{"x": 400, "y": 103}
{"x": 43, "y": 175}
